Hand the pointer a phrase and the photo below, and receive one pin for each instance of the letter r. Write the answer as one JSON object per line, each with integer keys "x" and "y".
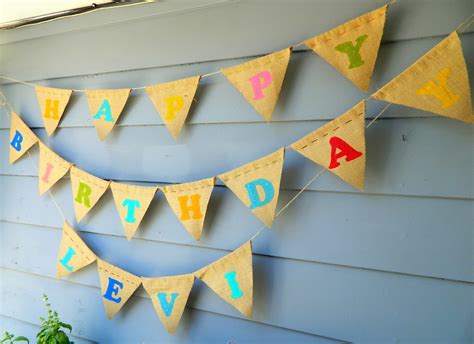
{"x": 83, "y": 194}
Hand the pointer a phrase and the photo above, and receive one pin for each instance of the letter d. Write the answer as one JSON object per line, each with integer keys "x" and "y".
{"x": 266, "y": 186}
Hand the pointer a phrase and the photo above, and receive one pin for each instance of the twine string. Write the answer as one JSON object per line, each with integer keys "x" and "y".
{"x": 4, "y": 103}
{"x": 462, "y": 27}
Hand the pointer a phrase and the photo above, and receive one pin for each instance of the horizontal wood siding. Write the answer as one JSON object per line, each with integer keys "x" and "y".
{"x": 391, "y": 264}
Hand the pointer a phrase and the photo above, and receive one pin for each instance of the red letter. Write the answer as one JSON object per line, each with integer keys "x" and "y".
{"x": 344, "y": 150}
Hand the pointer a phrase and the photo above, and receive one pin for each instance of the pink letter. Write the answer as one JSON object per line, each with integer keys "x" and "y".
{"x": 47, "y": 172}
{"x": 259, "y": 81}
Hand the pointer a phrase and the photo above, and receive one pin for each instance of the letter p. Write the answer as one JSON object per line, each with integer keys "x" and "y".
{"x": 173, "y": 105}
{"x": 260, "y": 81}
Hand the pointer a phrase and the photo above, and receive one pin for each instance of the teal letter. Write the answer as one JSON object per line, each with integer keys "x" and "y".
{"x": 234, "y": 286}
{"x": 352, "y": 51}
{"x": 104, "y": 110}
{"x": 113, "y": 288}
{"x": 165, "y": 305}
{"x": 131, "y": 204}
{"x": 16, "y": 141}
{"x": 67, "y": 258}
{"x": 255, "y": 200}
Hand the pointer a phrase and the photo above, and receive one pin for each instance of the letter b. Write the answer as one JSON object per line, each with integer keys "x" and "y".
{"x": 16, "y": 141}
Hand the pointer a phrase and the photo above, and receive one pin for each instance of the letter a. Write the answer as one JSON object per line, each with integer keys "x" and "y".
{"x": 344, "y": 150}
{"x": 105, "y": 111}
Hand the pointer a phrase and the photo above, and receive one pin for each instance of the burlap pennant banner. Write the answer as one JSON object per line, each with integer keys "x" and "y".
{"x": 73, "y": 252}
{"x": 51, "y": 168}
{"x": 105, "y": 107}
{"x": 352, "y": 47}
{"x": 260, "y": 80}
{"x": 173, "y": 100}
{"x": 339, "y": 146}
{"x": 189, "y": 203}
{"x": 21, "y": 138}
{"x": 169, "y": 296}
{"x": 231, "y": 277}
{"x": 52, "y": 102}
{"x": 86, "y": 191}
{"x": 117, "y": 286}
{"x": 437, "y": 82}
{"x": 132, "y": 202}
{"x": 257, "y": 185}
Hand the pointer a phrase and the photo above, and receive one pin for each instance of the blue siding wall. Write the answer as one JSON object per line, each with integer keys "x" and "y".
{"x": 391, "y": 264}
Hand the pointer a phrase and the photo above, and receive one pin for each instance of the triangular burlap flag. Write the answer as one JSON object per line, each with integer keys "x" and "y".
{"x": 189, "y": 203}
{"x": 352, "y": 47}
{"x": 73, "y": 252}
{"x": 105, "y": 107}
{"x": 86, "y": 191}
{"x": 231, "y": 277}
{"x": 257, "y": 185}
{"x": 52, "y": 102}
{"x": 132, "y": 202}
{"x": 169, "y": 296}
{"x": 437, "y": 82}
{"x": 51, "y": 168}
{"x": 260, "y": 80}
{"x": 173, "y": 100}
{"x": 21, "y": 138}
{"x": 117, "y": 286}
{"x": 339, "y": 146}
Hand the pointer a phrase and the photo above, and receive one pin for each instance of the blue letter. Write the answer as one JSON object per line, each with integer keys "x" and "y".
{"x": 165, "y": 305}
{"x": 104, "y": 110}
{"x": 67, "y": 258}
{"x": 255, "y": 200}
{"x": 113, "y": 289}
{"x": 234, "y": 286}
{"x": 16, "y": 141}
{"x": 131, "y": 204}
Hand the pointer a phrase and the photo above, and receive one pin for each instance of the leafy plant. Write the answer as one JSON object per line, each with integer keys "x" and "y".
{"x": 51, "y": 327}
{"x": 9, "y": 338}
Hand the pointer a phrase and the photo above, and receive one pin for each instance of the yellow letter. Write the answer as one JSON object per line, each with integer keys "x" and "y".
{"x": 195, "y": 207}
{"x": 51, "y": 109}
{"x": 439, "y": 89}
{"x": 173, "y": 105}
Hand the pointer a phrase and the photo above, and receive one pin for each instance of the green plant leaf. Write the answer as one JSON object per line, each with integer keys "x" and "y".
{"x": 21, "y": 339}
{"x": 69, "y": 327}
{"x": 62, "y": 338}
